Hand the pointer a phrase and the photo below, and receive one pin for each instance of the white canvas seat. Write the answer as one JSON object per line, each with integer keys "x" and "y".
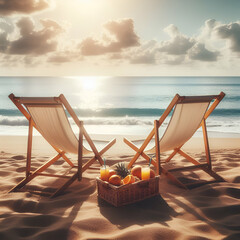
{"x": 52, "y": 123}
{"x": 48, "y": 116}
{"x": 189, "y": 113}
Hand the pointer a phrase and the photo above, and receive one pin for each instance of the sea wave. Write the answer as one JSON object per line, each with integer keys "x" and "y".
{"x": 123, "y": 112}
{"x": 22, "y": 121}
{"x": 220, "y": 124}
{"x": 13, "y": 121}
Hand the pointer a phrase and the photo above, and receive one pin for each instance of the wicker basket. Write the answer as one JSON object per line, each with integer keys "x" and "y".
{"x": 130, "y": 193}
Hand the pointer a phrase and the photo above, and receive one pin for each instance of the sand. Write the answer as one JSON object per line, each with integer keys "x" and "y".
{"x": 208, "y": 212}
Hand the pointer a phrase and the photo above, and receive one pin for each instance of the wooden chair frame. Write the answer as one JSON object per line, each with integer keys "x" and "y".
{"x": 82, "y": 133}
{"x": 196, "y": 165}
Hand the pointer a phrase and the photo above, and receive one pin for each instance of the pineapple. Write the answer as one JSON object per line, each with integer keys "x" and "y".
{"x": 122, "y": 170}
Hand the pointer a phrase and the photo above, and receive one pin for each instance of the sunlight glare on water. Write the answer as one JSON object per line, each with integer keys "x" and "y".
{"x": 89, "y": 93}
{"x": 89, "y": 83}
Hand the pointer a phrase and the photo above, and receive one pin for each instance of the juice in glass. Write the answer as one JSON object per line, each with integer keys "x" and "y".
{"x": 104, "y": 173}
{"x": 145, "y": 173}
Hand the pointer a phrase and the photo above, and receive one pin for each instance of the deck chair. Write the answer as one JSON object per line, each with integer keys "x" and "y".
{"x": 47, "y": 115}
{"x": 189, "y": 114}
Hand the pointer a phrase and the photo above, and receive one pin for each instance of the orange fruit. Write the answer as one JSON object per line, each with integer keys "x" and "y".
{"x": 129, "y": 179}
{"x": 152, "y": 174}
{"x": 115, "y": 180}
{"x": 111, "y": 172}
{"x": 137, "y": 171}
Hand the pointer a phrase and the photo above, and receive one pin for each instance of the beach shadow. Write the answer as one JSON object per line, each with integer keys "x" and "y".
{"x": 216, "y": 204}
{"x": 152, "y": 210}
{"x": 206, "y": 205}
{"x": 37, "y": 217}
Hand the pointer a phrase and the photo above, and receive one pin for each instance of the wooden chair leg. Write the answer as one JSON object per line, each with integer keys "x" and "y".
{"x": 66, "y": 159}
{"x": 91, "y": 144}
{"x": 90, "y": 162}
{"x": 189, "y": 158}
{"x": 172, "y": 155}
{"x": 206, "y": 144}
{"x": 141, "y": 149}
{"x": 35, "y": 173}
{"x": 75, "y": 176}
{"x": 80, "y": 152}
{"x": 29, "y": 147}
{"x": 143, "y": 154}
{"x": 157, "y": 147}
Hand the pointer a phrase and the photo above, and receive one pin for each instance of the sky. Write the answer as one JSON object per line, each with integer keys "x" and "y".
{"x": 119, "y": 38}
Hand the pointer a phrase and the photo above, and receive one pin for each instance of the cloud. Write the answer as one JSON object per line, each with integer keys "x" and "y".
{"x": 145, "y": 54}
{"x": 30, "y": 43}
{"x": 199, "y": 52}
{"x": 25, "y": 25}
{"x": 3, "y": 42}
{"x": 207, "y": 30}
{"x": 231, "y": 32}
{"x": 58, "y": 59}
{"x": 190, "y": 48}
{"x": 19, "y": 60}
{"x": 64, "y": 57}
{"x": 116, "y": 56}
{"x": 178, "y": 44}
{"x": 123, "y": 30}
{"x": 33, "y": 42}
{"x": 8, "y": 7}
{"x": 144, "y": 58}
{"x": 179, "y": 50}
{"x": 120, "y": 36}
{"x": 5, "y": 29}
{"x": 6, "y": 26}
{"x": 174, "y": 60}
{"x": 171, "y": 30}
{"x": 90, "y": 47}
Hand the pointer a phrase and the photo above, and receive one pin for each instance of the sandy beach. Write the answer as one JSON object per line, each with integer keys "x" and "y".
{"x": 164, "y": 71}
{"x": 208, "y": 212}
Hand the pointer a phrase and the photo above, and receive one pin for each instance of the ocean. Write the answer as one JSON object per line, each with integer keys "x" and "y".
{"x": 122, "y": 105}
